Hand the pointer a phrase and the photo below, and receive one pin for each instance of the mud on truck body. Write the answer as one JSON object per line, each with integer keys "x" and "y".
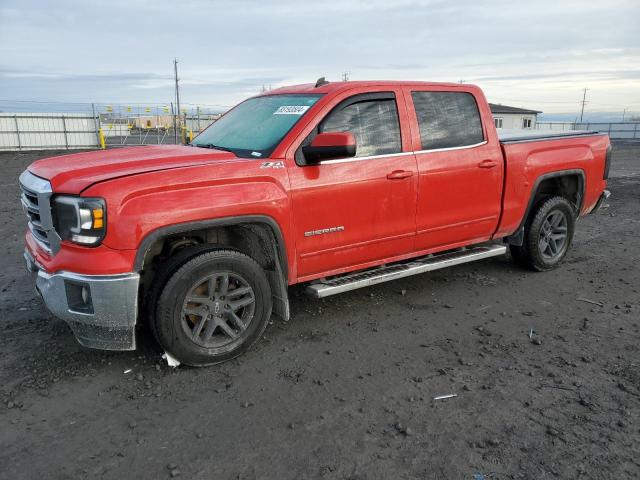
{"x": 335, "y": 185}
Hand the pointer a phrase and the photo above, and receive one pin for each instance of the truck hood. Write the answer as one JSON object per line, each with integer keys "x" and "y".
{"x": 74, "y": 173}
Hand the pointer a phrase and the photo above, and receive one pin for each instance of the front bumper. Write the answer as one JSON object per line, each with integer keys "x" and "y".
{"x": 100, "y": 309}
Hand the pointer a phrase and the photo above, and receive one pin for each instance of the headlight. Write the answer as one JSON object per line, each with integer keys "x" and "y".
{"x": 80, "y": 220}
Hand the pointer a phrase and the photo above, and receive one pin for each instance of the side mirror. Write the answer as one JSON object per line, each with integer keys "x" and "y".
{"x": 328, "y": 145}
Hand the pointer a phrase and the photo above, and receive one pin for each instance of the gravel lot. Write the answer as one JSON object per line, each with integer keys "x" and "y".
{"x": 345, "y": 389}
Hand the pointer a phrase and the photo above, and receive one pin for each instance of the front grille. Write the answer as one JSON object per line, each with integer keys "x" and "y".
{"x": 35, "y": 198}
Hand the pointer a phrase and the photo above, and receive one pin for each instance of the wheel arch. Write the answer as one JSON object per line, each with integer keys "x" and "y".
{"x": 182, "y": 228}
{"x": 255, "y": 235}
{"x": 549, "y": 183}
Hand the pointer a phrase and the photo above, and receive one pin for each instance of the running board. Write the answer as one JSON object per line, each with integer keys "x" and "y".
{"x": 325, "y": 288}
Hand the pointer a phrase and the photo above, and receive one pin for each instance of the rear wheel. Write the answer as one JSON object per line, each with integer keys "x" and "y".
{"x": 547, "y": 235}
{"x": 213, "y": 308}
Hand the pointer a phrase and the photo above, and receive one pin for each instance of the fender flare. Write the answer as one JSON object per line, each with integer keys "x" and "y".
{"x": 154, "y": 235}
{"x": 517, "y": 238}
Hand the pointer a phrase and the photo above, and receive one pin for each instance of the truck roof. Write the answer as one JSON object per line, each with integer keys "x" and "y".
{"x": 331, "y": 87}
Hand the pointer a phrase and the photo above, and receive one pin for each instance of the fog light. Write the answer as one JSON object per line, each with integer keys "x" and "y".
{"x": 85, "y": 294}
{"x": 78, "y": 296}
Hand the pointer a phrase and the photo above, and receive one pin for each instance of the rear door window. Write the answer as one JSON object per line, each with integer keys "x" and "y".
{"x": 373, "y": 123}
{"x": 447, "y": 119}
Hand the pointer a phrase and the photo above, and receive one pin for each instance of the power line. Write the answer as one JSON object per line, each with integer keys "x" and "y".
{"x": 562, "y": 102}
{"x": 136, "y": 103}
{"x": 565, "y": 102}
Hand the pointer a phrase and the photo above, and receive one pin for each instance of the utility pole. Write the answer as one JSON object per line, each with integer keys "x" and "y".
{"x": 345, "y": 75}
{"x": 624, "y": 112}
{"x": 175, "y": 71}
{"x": 584, "y": 101}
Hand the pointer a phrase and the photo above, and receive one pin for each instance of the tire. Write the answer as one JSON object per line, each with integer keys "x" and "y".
{"x": 547, "y": 236}
{"x": 162, "y": 275}
{"x": 227, "y": 310}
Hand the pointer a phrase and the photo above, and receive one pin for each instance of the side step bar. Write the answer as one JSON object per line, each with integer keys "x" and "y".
{"x": 386, "y": 273}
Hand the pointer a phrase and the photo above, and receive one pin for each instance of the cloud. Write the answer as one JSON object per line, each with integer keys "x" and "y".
{"x": 539, "y": 53}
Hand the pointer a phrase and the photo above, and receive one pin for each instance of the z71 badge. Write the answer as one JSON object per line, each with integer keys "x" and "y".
{"x": 272, "y": 165}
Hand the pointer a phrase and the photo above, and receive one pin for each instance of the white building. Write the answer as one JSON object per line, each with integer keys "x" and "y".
{"x": 513, "y": 117}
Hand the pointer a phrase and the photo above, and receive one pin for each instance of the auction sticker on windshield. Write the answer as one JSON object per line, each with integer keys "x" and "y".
{"x": 291, "y": 110}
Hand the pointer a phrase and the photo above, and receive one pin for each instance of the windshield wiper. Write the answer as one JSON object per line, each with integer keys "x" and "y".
{"x": 211, "y": 145}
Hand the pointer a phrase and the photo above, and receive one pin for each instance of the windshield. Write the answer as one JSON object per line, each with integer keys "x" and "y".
{"x": 255, "y": 127}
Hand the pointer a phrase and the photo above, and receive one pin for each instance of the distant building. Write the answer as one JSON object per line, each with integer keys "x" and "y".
{"x": 513, "y": 117}
{"x": 146, "y": 122}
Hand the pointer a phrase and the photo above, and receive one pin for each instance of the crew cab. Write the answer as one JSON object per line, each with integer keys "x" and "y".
{"x": 334, "y": 185}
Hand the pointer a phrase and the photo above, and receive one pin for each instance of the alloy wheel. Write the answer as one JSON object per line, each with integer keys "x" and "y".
{"x": 553, "y": 235}
{"x": 218, "y": 309}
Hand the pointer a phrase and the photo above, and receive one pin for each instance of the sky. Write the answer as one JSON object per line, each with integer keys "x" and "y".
{"x": 532, "y": 54}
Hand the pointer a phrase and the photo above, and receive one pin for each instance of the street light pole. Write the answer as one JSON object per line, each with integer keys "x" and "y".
{"x": 584, "y": 101}
{"x": 179, "y": 123}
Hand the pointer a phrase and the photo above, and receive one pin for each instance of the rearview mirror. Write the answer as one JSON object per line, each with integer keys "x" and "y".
{"x": 326, "y": 146}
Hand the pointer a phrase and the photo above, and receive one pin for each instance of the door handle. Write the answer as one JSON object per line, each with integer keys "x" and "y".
{"x": 488, "y": 164}
{"x": 399, "y": 174}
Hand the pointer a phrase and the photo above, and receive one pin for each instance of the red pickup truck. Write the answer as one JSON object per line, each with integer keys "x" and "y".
{"x": 335, "y": 185}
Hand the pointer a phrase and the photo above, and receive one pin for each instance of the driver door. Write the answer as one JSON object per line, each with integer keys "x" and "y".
{"x": 350, "y": 213}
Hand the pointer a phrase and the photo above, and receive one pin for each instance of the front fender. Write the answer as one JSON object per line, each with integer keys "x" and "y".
{"x": 139, "y": 205}
{"x": 178, "y": 228}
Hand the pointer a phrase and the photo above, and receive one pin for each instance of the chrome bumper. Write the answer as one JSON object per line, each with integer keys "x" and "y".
{"x": 100, "y": 309}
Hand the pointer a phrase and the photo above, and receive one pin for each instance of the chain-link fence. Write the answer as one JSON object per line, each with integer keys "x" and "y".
{"x": 41, "y": 125}
{"x": 49, "y": 125}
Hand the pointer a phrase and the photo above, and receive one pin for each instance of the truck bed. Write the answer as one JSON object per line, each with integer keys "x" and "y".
{"x": 508, "y": 136}
{"x": 531, "y": 156}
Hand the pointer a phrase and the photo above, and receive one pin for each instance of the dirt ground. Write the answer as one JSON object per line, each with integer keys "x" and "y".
{"x": 345, "y": 389}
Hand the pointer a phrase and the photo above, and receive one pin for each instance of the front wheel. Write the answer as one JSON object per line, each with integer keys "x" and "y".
{"x": 213, "y": 308}
{"x": 547, "y": 235}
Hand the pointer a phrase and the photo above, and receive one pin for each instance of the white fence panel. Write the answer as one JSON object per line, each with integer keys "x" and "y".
{"x": 554, "y": 126}
{"x": 36, "y": 131}
{"x": 616, "y": 130}
{"x": 8, "y": 133}
{"x": 90, "y": 125}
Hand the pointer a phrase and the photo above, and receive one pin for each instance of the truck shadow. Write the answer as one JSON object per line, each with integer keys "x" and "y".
{"x": 45, "y": 353}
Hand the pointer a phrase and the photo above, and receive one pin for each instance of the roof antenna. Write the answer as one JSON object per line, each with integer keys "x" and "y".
{"x": 320, "y": 82}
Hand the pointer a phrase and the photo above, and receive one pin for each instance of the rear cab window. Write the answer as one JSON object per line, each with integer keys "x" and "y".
{"x": 447, "y": 119}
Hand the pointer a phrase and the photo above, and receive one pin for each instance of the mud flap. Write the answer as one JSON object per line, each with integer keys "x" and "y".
{"x": 279, "y": 293}
{"x": 516, "y": 239}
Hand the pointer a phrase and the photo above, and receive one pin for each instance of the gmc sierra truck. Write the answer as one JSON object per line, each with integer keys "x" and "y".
{"x": 334, "y": 185}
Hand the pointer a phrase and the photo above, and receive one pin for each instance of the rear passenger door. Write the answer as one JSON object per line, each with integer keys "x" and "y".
{"x": 351, "y": 212}
{"x": 460, "y": 168}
